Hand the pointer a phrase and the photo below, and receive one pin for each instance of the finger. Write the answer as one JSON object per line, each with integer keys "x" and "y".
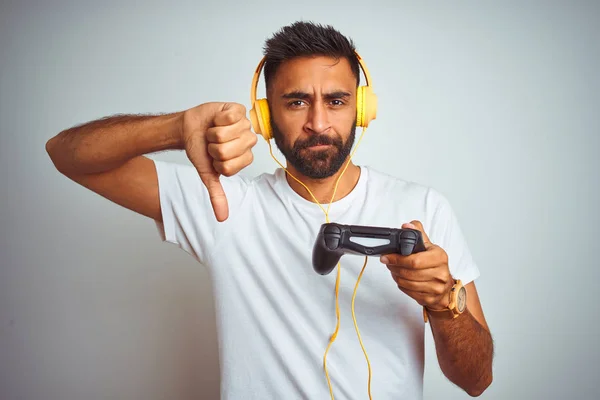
{"x": 216, "y": 193}
{"x": 233, "y": 148}
{"x": 233, "y": 166}
{"x": 226, "y": 133}
{"x": 417, "y": 275}
{"x": 415, "y": 224}
{"x": 227, "y": 151}
{"x": 229, "y": 114}
{"x": 433, "y": 257}
{"x": 429, "y": 288}
{"x": 197, "y": 151}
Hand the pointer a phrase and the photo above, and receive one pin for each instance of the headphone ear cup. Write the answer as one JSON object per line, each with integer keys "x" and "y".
{"x": 370, "y": 104}
{"x": 260, "y": 117}
{"x": 360, "y": 104}
{"x": 366, "y": 106}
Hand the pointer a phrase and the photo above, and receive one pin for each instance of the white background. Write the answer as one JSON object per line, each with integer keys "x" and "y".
{"x": 495, "y": 104}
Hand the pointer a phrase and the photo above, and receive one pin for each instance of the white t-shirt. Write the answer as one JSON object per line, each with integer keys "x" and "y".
{"x": 275, "y": 314}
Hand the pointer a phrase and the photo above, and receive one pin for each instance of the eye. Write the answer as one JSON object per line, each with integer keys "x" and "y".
{"x": 296, "y": 103}
{"x": 337, "y": 102}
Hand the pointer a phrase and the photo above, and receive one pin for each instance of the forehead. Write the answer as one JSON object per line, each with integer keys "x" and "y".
{"x": 314, "y": 73}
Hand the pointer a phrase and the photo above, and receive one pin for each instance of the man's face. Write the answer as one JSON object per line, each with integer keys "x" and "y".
{"x": 313, "y": 114}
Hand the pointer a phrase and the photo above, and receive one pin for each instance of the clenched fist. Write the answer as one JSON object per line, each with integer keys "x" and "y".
{"x": 218, "y": 141}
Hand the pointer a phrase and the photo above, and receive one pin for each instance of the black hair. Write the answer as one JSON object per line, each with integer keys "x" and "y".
{"x": 302, "y": 39}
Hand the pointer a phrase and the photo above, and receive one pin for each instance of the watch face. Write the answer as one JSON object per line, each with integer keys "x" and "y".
{"x": 461, "y": 299}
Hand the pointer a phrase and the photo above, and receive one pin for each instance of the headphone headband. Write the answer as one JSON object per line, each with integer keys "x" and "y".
{"x": 256, "y": 76}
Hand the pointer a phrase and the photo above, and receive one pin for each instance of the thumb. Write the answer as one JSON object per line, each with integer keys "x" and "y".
{"x": 197, "y": 151}
{"x": 216, "y": 193}
{"x": 414, "y": 224}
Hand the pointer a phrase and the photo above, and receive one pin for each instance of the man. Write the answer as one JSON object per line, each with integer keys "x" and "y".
{"x": 275, "y": 315}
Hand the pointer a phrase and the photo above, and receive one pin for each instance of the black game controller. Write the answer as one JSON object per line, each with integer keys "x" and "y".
{"x": 333, "y": 241}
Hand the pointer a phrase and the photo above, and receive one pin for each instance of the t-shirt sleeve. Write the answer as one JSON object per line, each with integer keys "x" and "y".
{"x": 445, "y": 231}
{"x": 188, "y": 219}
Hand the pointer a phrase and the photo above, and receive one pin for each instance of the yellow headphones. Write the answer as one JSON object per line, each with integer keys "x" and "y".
{"x": 366, "y": 104}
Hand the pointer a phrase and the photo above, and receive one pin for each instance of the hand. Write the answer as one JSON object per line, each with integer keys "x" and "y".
{"x": 424, "y": 276}
{"x": 218, "y": 141}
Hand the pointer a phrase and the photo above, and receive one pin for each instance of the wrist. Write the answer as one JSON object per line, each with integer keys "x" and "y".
{"x": 436, "y": 307}
{"x": 160, "y": 133}
{"x": 445, "y": 299}
{"x": 454, "y": 305}
{"x": 175, "y": 138}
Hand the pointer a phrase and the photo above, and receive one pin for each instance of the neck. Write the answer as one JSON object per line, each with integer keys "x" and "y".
{"x": 322, "y": 189}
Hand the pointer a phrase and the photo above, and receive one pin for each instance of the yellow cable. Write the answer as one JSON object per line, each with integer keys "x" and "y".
{"x": 356, "y": 325}
{"x": 337, "y": 281}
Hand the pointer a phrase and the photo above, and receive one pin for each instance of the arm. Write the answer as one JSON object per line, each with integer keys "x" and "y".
{"x": 464, "y": 346}
{"x": 107, "y": 155}
{"x": 108, "y": 143}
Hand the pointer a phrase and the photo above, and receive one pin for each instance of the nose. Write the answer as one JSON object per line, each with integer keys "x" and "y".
{"x": 318, "y": 118}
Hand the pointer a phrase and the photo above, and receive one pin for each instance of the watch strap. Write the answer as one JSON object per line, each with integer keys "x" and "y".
{"x": 441, "y": 314}
{"x": 448, "y": 313}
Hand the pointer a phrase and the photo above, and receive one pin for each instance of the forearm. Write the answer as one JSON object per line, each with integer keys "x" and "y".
{"x": 465, "y": 351}
{"x": 106, "y": 143}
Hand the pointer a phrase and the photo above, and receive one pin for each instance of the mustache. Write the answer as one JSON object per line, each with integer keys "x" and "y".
{"x": 318, "y": 140}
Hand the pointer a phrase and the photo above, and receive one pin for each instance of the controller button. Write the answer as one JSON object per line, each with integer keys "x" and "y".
{"x": 332, "y": 229}
{"x": 408, "y": 235}
{"x": 332, "y": 241}
{"x": 406, "y": 248}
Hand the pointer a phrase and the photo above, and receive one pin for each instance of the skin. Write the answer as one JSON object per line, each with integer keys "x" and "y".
{"x": 305, "y": 101}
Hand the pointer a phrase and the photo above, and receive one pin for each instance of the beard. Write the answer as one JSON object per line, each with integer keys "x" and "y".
{"x": 315, "y": 164}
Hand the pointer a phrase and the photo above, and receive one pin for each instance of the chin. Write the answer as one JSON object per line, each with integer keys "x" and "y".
{"x": 323, "y": 171}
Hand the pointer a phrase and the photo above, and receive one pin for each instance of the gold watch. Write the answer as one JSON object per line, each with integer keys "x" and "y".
{"x": 458, "y": 303}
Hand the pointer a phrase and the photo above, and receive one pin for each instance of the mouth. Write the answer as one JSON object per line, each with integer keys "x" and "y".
{"x": 319, "y": 147}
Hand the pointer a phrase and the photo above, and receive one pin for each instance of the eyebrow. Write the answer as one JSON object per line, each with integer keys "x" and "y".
{"x": 298, "y": 94}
